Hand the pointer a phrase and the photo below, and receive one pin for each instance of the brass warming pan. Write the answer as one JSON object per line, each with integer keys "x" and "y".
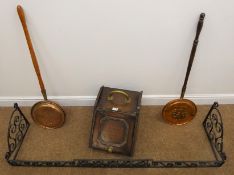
{"x": 181, "y": 111}
{"x": 45, "y": 113}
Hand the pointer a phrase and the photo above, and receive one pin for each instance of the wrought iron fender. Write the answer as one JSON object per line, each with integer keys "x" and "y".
{"x": 213, "y": 126}
{"x": 17, "y": 129}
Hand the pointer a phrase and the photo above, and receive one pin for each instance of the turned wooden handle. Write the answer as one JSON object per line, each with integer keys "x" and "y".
{"x": 192, "y": 54}
{"x": 31, "y": 50}
{"x": 200, "y": 25}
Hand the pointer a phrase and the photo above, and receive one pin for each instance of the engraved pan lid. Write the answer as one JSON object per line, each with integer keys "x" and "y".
{"x": 179, "y": 111}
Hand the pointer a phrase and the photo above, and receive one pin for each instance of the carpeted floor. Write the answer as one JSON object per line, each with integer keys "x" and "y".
{"x": 155, "y": 139}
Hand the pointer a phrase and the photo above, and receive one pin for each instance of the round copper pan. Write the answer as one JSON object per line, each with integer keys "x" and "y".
{"x": 48, "y": 114}
{"x": 179, "y": 111}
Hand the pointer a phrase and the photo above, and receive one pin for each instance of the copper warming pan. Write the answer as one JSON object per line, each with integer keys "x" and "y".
{"x": 47, "y": 114}
{"x": 181, "y": 111}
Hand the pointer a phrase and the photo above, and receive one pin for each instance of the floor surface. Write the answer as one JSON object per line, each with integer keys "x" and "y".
{"x": 155, "y": 140}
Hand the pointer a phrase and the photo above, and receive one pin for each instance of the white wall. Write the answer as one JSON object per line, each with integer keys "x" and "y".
{"x": 131, "y": 44}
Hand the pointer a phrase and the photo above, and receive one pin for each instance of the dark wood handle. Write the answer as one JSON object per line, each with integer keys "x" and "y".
{"x": 31, "y": 50}
{"x": 200, "y": 25}
{"x": 193, "y": 51}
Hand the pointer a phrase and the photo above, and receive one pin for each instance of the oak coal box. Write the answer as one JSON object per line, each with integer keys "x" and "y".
{"x": 115, "y": 119}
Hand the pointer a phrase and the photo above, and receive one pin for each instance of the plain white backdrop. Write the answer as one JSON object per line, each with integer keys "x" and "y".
{"x": 131, "y": 44}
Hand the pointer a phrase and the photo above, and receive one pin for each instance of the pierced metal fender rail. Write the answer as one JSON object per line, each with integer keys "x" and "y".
{"x": 213, "y": 126}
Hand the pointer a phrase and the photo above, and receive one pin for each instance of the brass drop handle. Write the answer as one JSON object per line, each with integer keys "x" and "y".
{"x": 111, "y": 98}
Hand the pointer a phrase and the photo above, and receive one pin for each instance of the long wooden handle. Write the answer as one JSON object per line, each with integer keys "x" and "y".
{"x": 32, "y": 53}
{"x": 193, "y": 51}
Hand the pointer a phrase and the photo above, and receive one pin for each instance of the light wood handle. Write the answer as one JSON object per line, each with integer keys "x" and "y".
{"x": 31, "y": 50}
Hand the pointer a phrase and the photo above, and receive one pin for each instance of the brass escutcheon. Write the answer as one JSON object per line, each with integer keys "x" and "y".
{"x": 110, "y": 149}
